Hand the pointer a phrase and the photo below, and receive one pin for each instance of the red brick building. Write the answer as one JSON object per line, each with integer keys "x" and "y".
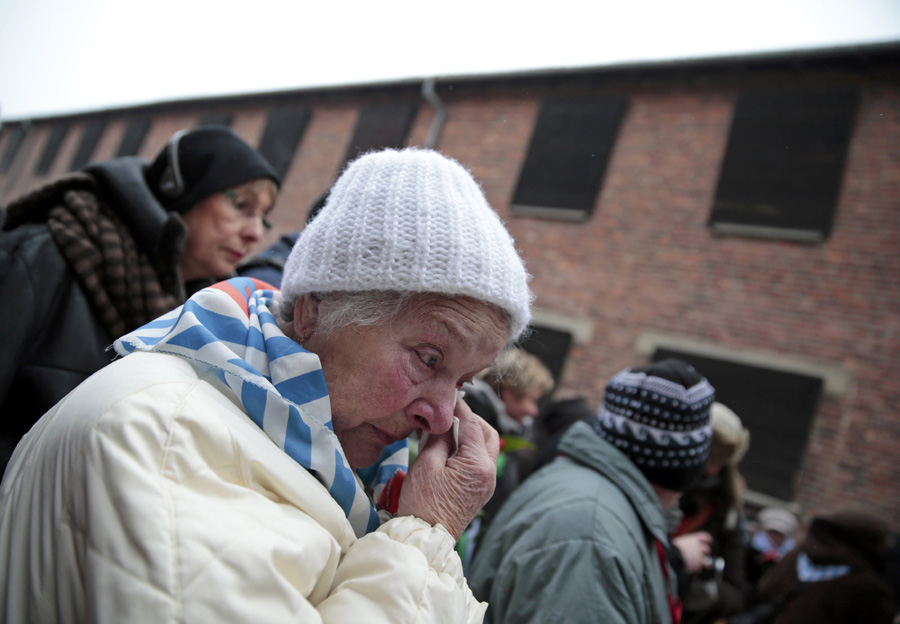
{"x": 741, "y": 213}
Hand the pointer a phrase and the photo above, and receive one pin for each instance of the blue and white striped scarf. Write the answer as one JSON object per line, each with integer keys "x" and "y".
{"x": 809, "y": 572}
{"x": 230, "y": 326}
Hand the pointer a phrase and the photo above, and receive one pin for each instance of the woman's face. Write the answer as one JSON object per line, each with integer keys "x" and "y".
{"x": 224, "y": 228}
{"x": 389, "y": 380}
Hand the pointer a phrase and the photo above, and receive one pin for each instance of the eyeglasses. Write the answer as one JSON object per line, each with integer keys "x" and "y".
{"x": 247, "y": 207}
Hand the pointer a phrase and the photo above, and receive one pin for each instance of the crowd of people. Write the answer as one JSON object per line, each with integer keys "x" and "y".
{"x": 197, "y": 430}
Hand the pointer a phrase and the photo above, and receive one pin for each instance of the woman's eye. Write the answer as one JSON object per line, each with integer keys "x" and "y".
{"x": 429, "y": 359}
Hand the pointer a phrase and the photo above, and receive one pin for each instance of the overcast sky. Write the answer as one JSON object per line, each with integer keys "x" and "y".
{"x": 66, "y": 56}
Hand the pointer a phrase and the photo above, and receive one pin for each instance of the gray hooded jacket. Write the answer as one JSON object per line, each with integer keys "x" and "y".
{"x": 576, "y": 543}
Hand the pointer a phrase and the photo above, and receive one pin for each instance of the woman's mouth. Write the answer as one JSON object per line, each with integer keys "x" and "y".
{"x": 236, "y": 256}
{"x": 387, "y": 438}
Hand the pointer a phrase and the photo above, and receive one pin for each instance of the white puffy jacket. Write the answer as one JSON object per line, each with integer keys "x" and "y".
{"x": 148, "y": 496}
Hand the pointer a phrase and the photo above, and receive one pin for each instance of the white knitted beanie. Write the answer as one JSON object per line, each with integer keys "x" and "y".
{"x": 411, "y": 220}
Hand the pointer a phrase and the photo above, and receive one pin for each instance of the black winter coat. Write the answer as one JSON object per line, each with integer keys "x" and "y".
{"x": 863, "y": 595}
{"x": 50, "y": 336}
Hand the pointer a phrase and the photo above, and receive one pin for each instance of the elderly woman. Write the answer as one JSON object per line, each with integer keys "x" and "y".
{"x": 712, "y": 526}
{"x": 97, "y": 253}
{"x": 244, "y": 460}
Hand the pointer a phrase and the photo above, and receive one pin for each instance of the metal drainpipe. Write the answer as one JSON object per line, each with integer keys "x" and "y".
{"x": 440, "y": 114}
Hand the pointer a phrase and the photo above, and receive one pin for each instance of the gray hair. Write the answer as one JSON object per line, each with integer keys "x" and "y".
{"x": 370, "y": 307}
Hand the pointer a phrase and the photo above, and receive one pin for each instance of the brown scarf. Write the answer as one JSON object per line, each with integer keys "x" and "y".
{"x": 118, "y": 280}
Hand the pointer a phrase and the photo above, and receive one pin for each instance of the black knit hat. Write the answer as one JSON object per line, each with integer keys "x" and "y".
{"x": 201, "y": 162}
{"x": 658, "y": 415}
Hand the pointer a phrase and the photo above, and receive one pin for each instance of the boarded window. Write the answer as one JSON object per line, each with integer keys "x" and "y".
{"x": 380, "y": 126}
{"x": 785, "y": 159}
{"x": 284, "y": 129}
{"x": 15, "y": 136}
{"x": 551, "y": 346}
{"x": 215, "y": 119}
{"x": 777, "y": 407}
{"x": 57, "y": 135}
{"x": 134, "y": 136}
{"x": 90, "y": 136}
{"x": 568, "y": 156}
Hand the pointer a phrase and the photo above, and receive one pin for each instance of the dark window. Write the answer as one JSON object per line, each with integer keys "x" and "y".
{"x": 551, "y": 346}
{"x": 93, "y": 130}
{"x": 782, "y": 171}
{"x": 15, "y": 135}
{"x": 57, "y": 134}
{"x": 778, "y": 409}
{"x": 134, "y": 136}
{"x": 381, "y": 125}
{"x": 567, "y": 156}
{"x": 284, "y": 129}
{"x": 215, "y": 119}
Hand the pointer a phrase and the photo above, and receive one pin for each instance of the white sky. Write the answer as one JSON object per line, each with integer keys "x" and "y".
{"x": 66, "y": 56}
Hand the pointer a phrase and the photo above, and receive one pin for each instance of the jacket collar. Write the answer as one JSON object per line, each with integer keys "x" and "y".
{"x": 156, "y": 232}
{"x": 151, "y": 225}
{"x": 583, "y": 444}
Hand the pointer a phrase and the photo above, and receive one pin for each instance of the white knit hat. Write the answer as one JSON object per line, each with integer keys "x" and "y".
{"x": 411, "y": 220}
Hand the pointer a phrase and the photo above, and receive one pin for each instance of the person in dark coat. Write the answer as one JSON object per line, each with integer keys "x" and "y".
{"x": 773, "y": 536}
{"x": 713, "y": 508}
{"x": 836, "y": 575}
{"x": 97, "y": 253}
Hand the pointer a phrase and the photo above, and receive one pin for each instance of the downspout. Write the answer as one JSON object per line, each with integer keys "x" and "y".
{"x": 440, "y": 114}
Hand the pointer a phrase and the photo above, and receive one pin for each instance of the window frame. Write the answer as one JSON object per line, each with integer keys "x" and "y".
{"x": 56, "y": 135}
{"x": 568, "y": 156}
{"x": 284, "y": 130}
{"x": 381, "y": 125}
{"x": 784, "y": 162}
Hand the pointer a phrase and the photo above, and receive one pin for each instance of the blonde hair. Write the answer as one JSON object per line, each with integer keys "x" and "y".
{"x": 730, "y": 442}
{"x": 730, "y": 438}
{"x": 519, "y": 371}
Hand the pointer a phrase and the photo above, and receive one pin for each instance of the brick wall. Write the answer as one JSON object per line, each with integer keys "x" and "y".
{"x": 645, "y": 260}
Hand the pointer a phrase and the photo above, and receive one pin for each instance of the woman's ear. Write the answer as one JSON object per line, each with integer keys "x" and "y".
{"x": 306, "y": 316}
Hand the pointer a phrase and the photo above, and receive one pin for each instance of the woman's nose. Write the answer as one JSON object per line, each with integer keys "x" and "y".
{"x": 253, "y": 230}
{"x": 433, "y": 412}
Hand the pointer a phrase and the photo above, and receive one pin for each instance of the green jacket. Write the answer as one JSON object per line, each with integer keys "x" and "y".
{"x": 576, "y": 543}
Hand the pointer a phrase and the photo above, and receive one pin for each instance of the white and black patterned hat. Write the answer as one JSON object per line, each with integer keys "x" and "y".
{"x": 658, "y": 415}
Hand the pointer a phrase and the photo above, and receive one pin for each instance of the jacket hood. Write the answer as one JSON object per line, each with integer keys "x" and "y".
{"x": 35, "y": 206}
{"x": 583, "y": 444}
{"x": 847, "y": 538}
{"x": 156, "y": 231}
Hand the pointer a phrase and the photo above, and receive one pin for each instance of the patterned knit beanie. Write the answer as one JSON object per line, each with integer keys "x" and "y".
{"x": 202, "y": 162}
{"x": 410, "y": 221}
{"x": 658, "y": 415}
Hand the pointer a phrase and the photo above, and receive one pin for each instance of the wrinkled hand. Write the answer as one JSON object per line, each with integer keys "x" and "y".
{"x": 450, "y": 490}
{"x": 695, "y": 549}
